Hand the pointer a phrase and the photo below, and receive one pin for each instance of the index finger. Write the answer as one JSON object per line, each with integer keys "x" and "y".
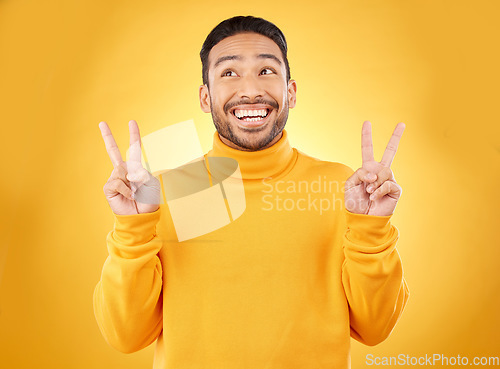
{"x": 366, "y": 142}
{"x": 111, "y": 146}
{"x": 392, "y": 146}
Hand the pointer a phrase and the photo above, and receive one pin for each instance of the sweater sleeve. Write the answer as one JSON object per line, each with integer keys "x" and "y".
{"x": 127, "y": 299}
{"x": 372, "y": 276}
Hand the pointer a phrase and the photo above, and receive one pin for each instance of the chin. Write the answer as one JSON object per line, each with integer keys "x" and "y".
{"x": 249, "y": 136}
{"x": 256, "y": 138}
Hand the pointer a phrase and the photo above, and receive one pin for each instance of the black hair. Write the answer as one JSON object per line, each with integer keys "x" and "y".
{"x": 242, "y": 24}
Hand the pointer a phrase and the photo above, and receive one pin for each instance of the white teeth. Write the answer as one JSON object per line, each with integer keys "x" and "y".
{"x": 250, "y": 113}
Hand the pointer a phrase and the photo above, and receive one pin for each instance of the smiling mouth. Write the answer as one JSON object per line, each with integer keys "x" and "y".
{"x": 251, "y": 115}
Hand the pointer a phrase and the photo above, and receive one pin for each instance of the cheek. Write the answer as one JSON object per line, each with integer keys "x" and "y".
{"x": 279, "y": 92}
{"x": 283, "y": 98}
{"x": 220, "y": 96}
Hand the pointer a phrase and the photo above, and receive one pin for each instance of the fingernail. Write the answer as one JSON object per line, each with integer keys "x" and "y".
{"x": 369, "y": 189}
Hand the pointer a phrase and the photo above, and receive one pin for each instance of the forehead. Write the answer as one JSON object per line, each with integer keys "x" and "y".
{"x": 245, "y": 45}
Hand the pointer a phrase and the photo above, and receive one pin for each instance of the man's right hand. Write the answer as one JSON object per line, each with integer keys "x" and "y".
{"x": 130, "y": 189}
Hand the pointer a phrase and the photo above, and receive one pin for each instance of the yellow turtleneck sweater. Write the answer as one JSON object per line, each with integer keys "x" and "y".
{"x": 284, "y": 286}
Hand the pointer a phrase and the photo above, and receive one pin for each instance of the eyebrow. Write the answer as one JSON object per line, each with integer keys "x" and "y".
{"x": 269, "y": 56}
{"x": 237, "y": 57}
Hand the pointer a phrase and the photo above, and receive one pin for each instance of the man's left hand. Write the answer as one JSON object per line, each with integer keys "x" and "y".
{"x": 372, "y": 189}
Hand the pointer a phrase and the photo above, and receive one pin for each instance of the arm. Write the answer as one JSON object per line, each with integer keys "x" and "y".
{"x": 128, "y": 297}
{"x": 372, "y": 276}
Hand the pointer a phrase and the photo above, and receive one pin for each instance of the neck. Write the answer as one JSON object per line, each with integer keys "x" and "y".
{"x": 274, "y": 160}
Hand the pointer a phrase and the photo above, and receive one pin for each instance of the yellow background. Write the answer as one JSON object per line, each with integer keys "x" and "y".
{"x": 67, "y": 65}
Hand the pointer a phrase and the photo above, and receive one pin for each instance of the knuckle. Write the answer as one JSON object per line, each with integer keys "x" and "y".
{"x": 380, "y": 189}
{"x": 123, "y": 168}
{"x": 361, "y": 173}
{"x": 386, "y": 173}
{"x": 119, "y": 173}
{"x": 109, "y": 187}
{"x": 113, "y": 185}
{"x": 120, "y": 184}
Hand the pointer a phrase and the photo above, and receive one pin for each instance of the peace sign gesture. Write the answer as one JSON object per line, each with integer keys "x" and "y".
{"x": 130, "y": 189}
{"x": 372, "y": 189}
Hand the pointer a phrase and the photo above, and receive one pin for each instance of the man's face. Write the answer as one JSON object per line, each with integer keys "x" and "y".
{"x": 248, "y": 96}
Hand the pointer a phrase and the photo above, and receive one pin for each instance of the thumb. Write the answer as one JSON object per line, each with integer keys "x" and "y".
{"x": 136, "y": 173}
{"x": 148, "y": 192}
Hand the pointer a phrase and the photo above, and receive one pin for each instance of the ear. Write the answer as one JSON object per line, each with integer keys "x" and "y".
{"x": 292, "y": 93}
{"x": 204, "y": 99}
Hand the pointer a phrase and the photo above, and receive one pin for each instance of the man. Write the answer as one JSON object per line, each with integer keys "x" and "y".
{"x": 287, "y": 283}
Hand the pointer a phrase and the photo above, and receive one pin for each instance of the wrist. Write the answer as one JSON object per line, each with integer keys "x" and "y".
{"x": 135, "y": 229}
{"x": 365, "y": 229}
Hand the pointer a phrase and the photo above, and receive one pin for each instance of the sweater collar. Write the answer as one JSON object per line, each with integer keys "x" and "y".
{"x": 266, "y": 163}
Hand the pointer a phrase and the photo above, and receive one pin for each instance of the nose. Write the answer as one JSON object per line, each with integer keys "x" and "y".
{"x": 250, "y": 88}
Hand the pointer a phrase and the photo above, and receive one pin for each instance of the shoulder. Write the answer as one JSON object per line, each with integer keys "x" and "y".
{"x": 314, "y": 165}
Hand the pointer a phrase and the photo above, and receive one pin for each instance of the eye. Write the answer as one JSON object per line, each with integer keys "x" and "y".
{"x": 267, "y": 71}
{"x": 228, "y": 73}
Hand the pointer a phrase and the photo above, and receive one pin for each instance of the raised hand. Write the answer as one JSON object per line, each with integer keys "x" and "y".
{"x": 372, "y": 189}
{"x": 130, "y": 189}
